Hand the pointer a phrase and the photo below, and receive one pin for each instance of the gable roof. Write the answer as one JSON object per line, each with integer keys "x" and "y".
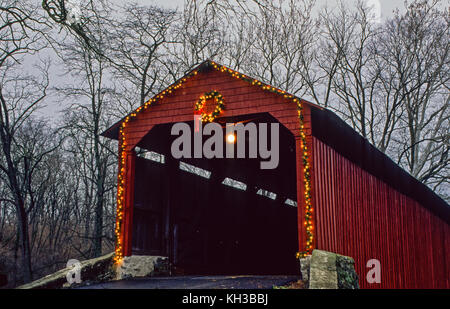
{"x": 113, "y": 131}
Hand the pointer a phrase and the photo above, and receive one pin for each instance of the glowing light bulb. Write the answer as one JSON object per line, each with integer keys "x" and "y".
{"x": 231, "y": 138}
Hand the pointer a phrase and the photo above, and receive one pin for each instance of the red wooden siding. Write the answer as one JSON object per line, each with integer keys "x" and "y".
{"x": 360, "y": 216}
{"x": 240, "y": 98}
{"x": 130, "y": 162}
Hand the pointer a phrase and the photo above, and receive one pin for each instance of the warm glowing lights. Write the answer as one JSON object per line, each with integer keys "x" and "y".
{"x": 231, "y": 138}
{"x": 120, "y": 197}
{"x": 308, "y": 223}
{"x": 199, "y": 105}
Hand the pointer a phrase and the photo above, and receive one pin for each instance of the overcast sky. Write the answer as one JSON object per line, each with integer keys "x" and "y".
{"x": 386, "y": 8}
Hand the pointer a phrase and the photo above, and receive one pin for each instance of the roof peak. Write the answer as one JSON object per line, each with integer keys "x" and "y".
{"x": 207, "y": 64}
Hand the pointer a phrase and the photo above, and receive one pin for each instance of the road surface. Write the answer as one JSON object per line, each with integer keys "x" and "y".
{"x": 198, "y": 282}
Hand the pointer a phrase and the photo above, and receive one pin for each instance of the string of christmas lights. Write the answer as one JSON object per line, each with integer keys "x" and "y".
{"x": 309, "y": 227}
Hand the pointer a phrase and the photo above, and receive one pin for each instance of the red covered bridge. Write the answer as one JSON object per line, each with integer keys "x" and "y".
{"x": 332, "y": 190}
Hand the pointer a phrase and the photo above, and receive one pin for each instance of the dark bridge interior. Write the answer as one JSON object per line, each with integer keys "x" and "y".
{"x": 216, "y": 216}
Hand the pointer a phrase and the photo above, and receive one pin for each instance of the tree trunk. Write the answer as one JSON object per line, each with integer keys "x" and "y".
{"x": 98, "y": 225}
{"x": 98, "y": 237}
{"x": 24, "y": 242}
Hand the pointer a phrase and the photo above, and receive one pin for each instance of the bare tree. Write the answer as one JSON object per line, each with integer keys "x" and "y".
{"x": 38, "y": 144}
{"x": 20, "y": 94}
{"x": 197, "y": 34}
{"x": 349, "y": 66}
{"x": 416, "y": 45}
{"x": 136, "y": 42}
{"x": 270, "y": 40}
{"x": 77, "y": 17}
{"x": 390, "y": 82}
{"x": 85, "y": 120}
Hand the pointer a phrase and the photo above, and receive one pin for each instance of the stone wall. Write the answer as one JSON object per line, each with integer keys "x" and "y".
{"x": 94, "y": 270}
{"x": 347, "y": 277}
{"x": 142, "y": 266}
{"x": 327, "y": 270}
{"x": 102, "y": 269}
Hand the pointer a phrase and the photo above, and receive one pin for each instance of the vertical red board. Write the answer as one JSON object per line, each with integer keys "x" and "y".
{"x": 359, "y": 215}
{"x": 129, "y": 201}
